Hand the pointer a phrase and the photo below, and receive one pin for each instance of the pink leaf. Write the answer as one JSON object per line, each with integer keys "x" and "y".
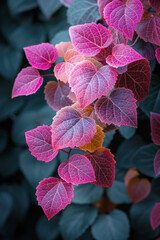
{"x": 77, "y": 170}
{"x": 101, "y": 5}
{"x": 90, "y": 38}
{"x": 56, "y": 95}
{"x": 119, "y": 108}
{"x": 157, "y": 163}
{"x": 63, "y": 70}
{"x": 118, "y": 37}
{"x": 137, "y": 78}
{"x": 158, "y": 54}
{"x": 70, "y": 129}
{"x": 122, "y": 55}
{"x": 53, "y": 195}
{"x": 124, "y": 16}
{"x": 155, "y": 128}
{"x": 155, "y": 4}
{"x": 63, "y": 47}
{"x": 104, "y": 166}
{"x": 28, "y": 81}
{"x": 155, "y": 216}
{"x": 88, "y": 83}
{"x": 39, "y": 143}
{"x": 41, "y": 56}
{"x": 149, "y": 28}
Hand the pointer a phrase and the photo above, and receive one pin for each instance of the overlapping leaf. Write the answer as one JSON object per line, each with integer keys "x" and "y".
{"x": 136, "y": 78}
{"x": 157, "y": 163}
{"x": 39, "y": 142}
{"x": 70, "y": 129}
{"x": 27, "y": 82}
{"x": 158, "y": 54}
{"x": 41, "y": 56}
{"x": 119, "y": 108}
{"x": 155, "y": 128}
{"x": 88, "y": 83}
{"x": 149, "y": 28}
{"x": 155, "y": 216}
{"x": 155, "y": 4}
{"x": 63, "y": 47}
{"x": 89, "y": 39}
{"x": 123, "y": 16}
{"x": 53, "y": 195}
{"x": 77, "y": 170}
{"x": 122, "y": 55}
{"x": 104, "y": 166}
{"x": 57, "y": 95}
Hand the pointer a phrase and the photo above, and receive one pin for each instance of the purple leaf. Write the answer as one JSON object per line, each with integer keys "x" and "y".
{"x": 101, "y": 5}
{"x": 77, "y": 170}
{"x": 89, "y": 39}
{"x": 27, "y": 82}
{"x": 41, "y": 56}
{"x": 39, "y": 143}
{"x": 124, "y": 16}
{"x": 104, "y": 166}
{"x": 149, "y": 28}
{"x": 53, "y": 195}
{"x": 70, "y": 129}
{"x": 119, "y": 108}
{"x": 155, "y": 4}
{"x": 118, "y": 37}
{"x": 122, "y": 55}
{"x": 157, "y": 163}
{"x": 155, "y": 128}
{"x": 155, "y": 216}
{"x": 88, "y": 83}
{"x": 158, "y": 54}
{"x": 56, "y": 95}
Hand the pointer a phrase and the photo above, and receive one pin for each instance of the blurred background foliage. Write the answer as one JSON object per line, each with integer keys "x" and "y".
{"x": 95, "y": 213}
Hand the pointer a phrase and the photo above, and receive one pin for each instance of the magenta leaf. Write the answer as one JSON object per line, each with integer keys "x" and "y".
{"x": 39, "y": 143}
{"x": 157, "y": 163}
{"x": 118, "y": 37}
{"x": 70, "y": 129}
{"x": 77, "y": 170}
{"x": 124, "y": 16}
{"x": 149, "y": 28}
{"x": 119, "y": 108}
{"x": 56, "y": 95}
{"x": 101, "y": 5}
{"x": 27, "y": 82}
{"x": 41, "y": 56}
{"x": 53, "y": 195}
{"x": 155, "y": 128}
{"x": 104, "y": 166}
{"x": 137, "y": 78}
{"x": 88, "y": 83}
{"x": 155, "y": 4}
{"x": 158, "y": 54}
{"x": 122, "y": 55}
{"x": 155, "y": 216}
{"x": 89, "y": 39}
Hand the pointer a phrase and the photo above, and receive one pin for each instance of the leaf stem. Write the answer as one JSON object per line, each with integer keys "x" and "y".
{"x": 47, "y": 75}
{"x": 104, "y": 50}
{"x": 64, "y": 151}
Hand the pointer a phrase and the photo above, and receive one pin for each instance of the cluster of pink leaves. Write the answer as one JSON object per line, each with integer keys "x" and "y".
{"x": 99, "y": 83}
{"x": 155, "y": 133}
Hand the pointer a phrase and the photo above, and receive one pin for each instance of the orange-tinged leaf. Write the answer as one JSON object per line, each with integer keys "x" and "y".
{"x": 131, "y": 173}
{"x": 96, "y": 141}
{"x": 109, "y": 128}
{"x": 138, "y": 189}
{"x": 63, "y": 47}
{"x": 85, "y": 112}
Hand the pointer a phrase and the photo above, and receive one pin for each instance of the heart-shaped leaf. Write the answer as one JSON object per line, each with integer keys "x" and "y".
{"x": 84, "y": 40}
{"x": 53, "y": 195}
{"x": 56, "y": 95}
{"x": 119, "y": 108}
{"x": 88, "y": 83}
{"x": 70, "y": 129}
{"x": 157, "y": 163}
{"x": 28, "y": 81}
{"x": 104, "y": 166}
{"x": 123, "y": 16}
{"x": 39, "y": 142}
{"x": 41, "y": 56}
{"x": 77, "y": 170}
{"x": 158, "y": 54}
{"x": 122, "y": 55}
{"x": 155, "y": 216}
{"x": 155, "y": 128}
{"x": 137, "y": 78}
